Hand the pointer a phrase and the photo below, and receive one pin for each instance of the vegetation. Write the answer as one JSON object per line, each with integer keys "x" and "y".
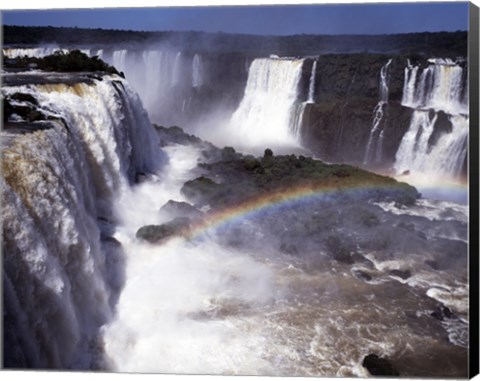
{"x": 445, "y": 44}
{"x": 73, "y": 61}
{"x": 246, "y": 177}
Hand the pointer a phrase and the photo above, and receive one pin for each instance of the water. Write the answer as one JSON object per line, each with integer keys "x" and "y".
{"x": 311, "y": 86}
{"x": 439, "y": 88}
{"x": 62, "y": 277}
{"x": 197, "y": 71}
{"x": 32, "y": 52}
{"x": 82, "y": 292}
{"x": 378, "y": 114}
{"x": 266, "y": 113}
{"x": 201, "y": 306}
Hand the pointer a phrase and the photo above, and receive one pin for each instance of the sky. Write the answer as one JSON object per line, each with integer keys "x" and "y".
{"x": 264, "y": 20}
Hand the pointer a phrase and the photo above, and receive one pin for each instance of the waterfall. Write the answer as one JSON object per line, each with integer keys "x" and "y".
{"x": 152, "y": 73}
{"x": 61, "y": 276}
{"x": 197, "y": 71}
{"x": 439, "y": 87}
{"x": 31, "y": 52}
{"x": 311, "y": 87}
{"x": 300, "y": 108}
{"x": 414, "y": 148}
{"x": 410, "y": 78}
{"x": 176, "y": 75}
{"x": 267, "y": 110}
{"x": 378, "y": 113}
{"x": 119, "y": 60}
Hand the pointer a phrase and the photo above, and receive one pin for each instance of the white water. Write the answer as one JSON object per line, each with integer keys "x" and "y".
{"x": 197, "y": 71}
{"x": 439, "y": 87}
{"x": 266, "y": 114}
{"x": 378, "y": 114}
{"x": 32, "y": 52}
{"x": 299, "y": 112}
{"x": 311, "y": 86}
{"x": 155, "y": 329}
{"x": 186, "y": 306}
{"x": 61, "y": 278}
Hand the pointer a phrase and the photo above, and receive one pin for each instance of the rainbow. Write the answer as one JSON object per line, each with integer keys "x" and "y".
{"x": 277, "y": 200}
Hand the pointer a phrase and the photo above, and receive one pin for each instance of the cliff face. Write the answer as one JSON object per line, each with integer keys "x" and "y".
{"x": 337, "y": 126}
{"x": 362, "y": 109}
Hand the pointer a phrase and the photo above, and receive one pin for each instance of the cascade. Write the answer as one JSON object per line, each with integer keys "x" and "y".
{"x": 176, "y": 75}
{"x": 311, "y": 87}
{"x": 61, "y": 276}
{"x": 300, "y": 109}
{"x": 267, "y": 110}
{"x": 378, "y": 113}
{"x": 119, "y": 60}
{"x": 197, "y": 71}
{"x": 32, "y": 52}
{"x": 439, "y": 87}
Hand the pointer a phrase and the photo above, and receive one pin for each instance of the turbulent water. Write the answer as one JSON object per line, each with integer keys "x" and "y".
{"x": 207, "y": 306}
{"x": 377, "y": 131}
{"x": 439, "y": 89}
{"x": 258, "y": 295}
{"x": 61, "y": 273}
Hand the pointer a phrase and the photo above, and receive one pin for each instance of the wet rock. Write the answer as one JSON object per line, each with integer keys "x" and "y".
{"x": 110, "y": 240}
{"x": 201, "y": 190}
{"x": 228, "y": 154}
{"x": 24, "y": 98}
{"x": 181, "y": 209}
{"x": 379, "y": 366}
{"x": 362, "y": 275}
{"x": 140, "y": 177}
{"x": 159, "y": 233}
{"x": 441, "y": 313}
{"x": 404, "y": 274}
{"x": 251, "y": 164}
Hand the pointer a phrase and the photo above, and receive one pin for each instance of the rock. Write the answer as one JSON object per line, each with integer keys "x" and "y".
{"x": 201, "y": 190}
{"x": 378, "y": 366}
{"x": 441, "y": 313}
{"x": 159, "y": 233}
{"x": 140, "y": 177}
{"x": 181, "y": 209}
{"x": 404, "y": 274}
{"x": 362, "y": 275}
{"x": 251, "y": 164}
{"x": 24, "y": 98}
{"x": 110, "y": 240}
{"x": 228, "y": 153}
{"x": 268, "y": 153}
{"x": 176, "y": 135}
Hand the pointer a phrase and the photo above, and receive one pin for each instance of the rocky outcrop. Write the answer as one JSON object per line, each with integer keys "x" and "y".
{"x": 379, "y": 366}
{"x": 337, "y": 126}
{"x": 160, "y": 233}
{"x": 180, "y": 209}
